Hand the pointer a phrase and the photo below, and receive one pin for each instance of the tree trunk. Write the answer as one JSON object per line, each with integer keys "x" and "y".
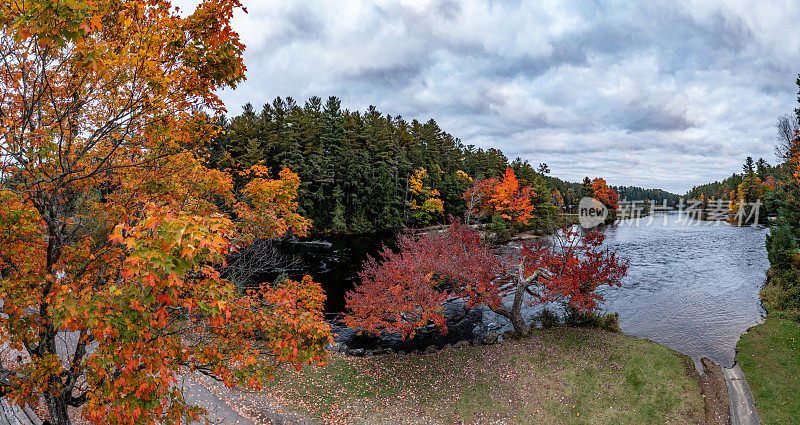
{"x": 57, "y": 407}
{"x": 514, "y": 313}
{"x": 515, "y": 317}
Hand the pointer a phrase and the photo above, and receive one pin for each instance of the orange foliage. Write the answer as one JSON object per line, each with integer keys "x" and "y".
{"x": 112, "y": 230}
{"x": 504, "y": 196}
{"x": 605, "y": 194}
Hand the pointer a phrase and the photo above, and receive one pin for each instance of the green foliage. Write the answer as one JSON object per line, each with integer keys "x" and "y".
{"x": 354, "y": 166}
{"x": 499, "y": 227}
{"x": 592, "y": 319}
{"x": 546, "y": 319}
{"x": 781, "y": 246}
{"x": 635, "y": 193}
{"x": 781, "y": 294}
{"x": 586, "y": 189}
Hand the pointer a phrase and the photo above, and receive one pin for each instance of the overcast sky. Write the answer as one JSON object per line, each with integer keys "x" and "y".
{"x": 657, "y": 94}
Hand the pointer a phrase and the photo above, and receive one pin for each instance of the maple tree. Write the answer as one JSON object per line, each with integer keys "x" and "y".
{"x": 113, "y": 231}
{"x": 504, "y": 196}
{"x": 406, "y": 289}
{"x": 606, "y": 195}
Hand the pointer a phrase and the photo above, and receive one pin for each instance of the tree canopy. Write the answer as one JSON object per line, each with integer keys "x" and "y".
{"x": 360, "y": 170}
{"x": 404, "y": 290}
{"x": 112, "y": 227}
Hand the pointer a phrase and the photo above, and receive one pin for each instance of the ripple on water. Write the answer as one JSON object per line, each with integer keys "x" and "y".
{"x": 693, "y": 288}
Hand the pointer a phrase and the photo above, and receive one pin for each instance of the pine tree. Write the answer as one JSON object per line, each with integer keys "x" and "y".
{"x": 586, "y": 188}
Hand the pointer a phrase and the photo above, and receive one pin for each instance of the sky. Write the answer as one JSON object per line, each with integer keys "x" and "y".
{"x": 665, "y": 94}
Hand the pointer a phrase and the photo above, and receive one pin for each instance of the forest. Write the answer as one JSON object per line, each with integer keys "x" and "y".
{"x": 369, "y": 171}
{"x": 722, "y": 189}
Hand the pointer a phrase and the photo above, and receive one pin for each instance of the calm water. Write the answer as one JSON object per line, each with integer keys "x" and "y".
{"x": 691, "y": 286}
{"x": 333, "y": 261}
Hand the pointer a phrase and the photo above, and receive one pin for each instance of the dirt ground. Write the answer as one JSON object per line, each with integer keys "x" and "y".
{"x": 715, "y": 392}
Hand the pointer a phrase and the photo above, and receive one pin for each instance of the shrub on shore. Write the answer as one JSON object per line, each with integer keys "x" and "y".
{"x": 781, "y": 294}
{"x": 583, "y": 319}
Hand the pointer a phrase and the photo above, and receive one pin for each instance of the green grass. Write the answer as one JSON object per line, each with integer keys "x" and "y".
{"x": 769, "y": 355}
{"x": 559, "y": 375}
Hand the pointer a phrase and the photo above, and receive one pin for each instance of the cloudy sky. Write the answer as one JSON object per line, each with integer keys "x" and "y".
{"x": 657, "y": 94}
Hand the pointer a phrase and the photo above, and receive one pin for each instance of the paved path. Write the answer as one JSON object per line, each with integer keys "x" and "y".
{"x": 218, "y": 411}
{"x": 743, "y": 409}
{"x": 15, "y": 415}
{"x": 194, "y": 393}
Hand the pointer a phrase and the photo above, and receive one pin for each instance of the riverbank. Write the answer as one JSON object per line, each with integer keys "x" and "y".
{"x": 769, "y": 355}
{"x": 558, "y": 375}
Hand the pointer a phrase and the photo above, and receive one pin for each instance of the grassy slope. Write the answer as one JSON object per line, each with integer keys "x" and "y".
{"x": 769, "y": 355}
{"x": 560, "y": 375}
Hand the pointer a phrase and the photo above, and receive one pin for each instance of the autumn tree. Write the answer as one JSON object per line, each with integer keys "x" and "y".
{"x": 505, "y": 197}
{"x": 606, "y": 195}
{"x": 113, "y": 231}
{"x": 404, "y": 290}
{"x": 425, "y": 204}
{"x": 557, "y": 199}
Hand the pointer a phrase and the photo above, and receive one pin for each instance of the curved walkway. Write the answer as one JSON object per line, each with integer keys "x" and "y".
{"x": 743, "y": 409}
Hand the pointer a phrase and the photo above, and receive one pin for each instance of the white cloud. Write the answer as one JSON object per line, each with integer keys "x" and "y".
{"x": 668, "y": 94}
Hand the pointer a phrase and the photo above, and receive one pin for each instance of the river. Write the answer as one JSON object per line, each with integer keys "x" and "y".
{"x": 692, "y": 286}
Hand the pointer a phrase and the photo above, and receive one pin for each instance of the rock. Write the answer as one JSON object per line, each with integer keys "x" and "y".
{"x": 428, "y": 329}
{"x": 429, "y": 350}
{"x": 446, "y": 346}
{"x": 381, "y": 351}
{"x": 509, "y": 334}
{"x": 461, "y": 344}
{"x": 459, "y": 316}
{"x": 356, "y": 352}
{"x": 489, "y": 338}
{"x": 368, "y": 353}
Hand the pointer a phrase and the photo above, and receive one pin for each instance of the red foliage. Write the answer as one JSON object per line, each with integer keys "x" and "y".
{"x": 577, "y": 265}
{"x": 770, "y": 183}
{"x": 406, "y": 289}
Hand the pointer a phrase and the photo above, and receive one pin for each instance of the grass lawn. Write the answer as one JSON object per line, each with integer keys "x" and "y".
{"x": 559, "y": 375}
{"x": 769, "y": 355}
